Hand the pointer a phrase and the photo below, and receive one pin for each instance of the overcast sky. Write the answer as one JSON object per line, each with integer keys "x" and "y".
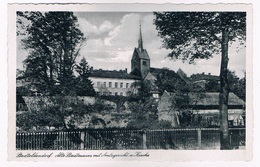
{"x": 112, "y": 37}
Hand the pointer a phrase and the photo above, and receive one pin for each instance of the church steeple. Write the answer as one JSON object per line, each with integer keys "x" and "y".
{"x": 140, "y": 62}
{"x": 140, "y": 40}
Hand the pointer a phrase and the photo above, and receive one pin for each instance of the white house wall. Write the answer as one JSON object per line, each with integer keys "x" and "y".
{"x": 216, "y": 111}
{"x": 234, "y": 115}
{"x": 113, "y": 90}
{"x": 208, "y": 117}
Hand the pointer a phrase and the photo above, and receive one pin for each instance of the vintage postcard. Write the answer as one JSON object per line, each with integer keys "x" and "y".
{"x": 124, "y": 82}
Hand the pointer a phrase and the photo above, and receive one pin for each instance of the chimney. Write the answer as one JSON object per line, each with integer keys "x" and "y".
{"x": 209, "y": 73}
{"x": 91, "y": 68}
{"x": 125, "y": 70}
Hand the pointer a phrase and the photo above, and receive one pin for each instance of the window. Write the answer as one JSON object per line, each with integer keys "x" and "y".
{"x": 104, "y": 93}
{"x": 98, "y": 84}
{"x": 116, "y": 84}
{"x": 104, "y": 84}
{"x": 121, "y": 93}
{"x": 110, "y": 93}
{"x": 116, "y": 93}
{"x": 156, "y": 96}
{"x": 98, "y": 93}
{"x": 144, "y": 63}
{"x": 127, "y": 85}
{"x": 110, "y": 84}
{"x": 121, "y": 85}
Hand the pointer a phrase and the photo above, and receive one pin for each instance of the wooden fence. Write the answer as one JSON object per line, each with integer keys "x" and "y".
{"x": 182, "y": 139}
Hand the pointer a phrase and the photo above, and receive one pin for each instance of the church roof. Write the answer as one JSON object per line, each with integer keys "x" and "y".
{"x": 136, "y": 73}
{"x": 112, "y": 74}
{"x": 150, "y": 76}
{"x": 156, "y": 71}
{"x": 142, "y": 53}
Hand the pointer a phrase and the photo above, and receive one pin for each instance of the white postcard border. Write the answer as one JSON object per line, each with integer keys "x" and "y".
{"x": 154, "y": 155}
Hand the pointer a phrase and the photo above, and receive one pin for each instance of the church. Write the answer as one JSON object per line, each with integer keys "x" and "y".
{"x": 121, "y": 83}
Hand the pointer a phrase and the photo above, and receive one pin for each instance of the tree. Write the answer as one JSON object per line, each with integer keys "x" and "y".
{"x": 240, "y": 89}
{"x": 168, "y": 80}
{"x": 143, "y": 113}
{"x": 237, "y": 85}
{"x": 200, "y": 35}
{"x": 83, "y": 85}
{"x": 180, "y": 93}
{"x": 59, "y": 112}
{"x": 53, "y": 42}
{"x": 142, "y": 92}
{"x": 212, "y": 86}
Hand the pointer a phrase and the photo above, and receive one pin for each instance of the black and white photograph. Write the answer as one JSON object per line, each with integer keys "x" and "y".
{"x": 130, "y": 80}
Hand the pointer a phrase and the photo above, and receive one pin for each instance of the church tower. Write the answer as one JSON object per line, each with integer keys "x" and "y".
{"x": 140, "y": 62}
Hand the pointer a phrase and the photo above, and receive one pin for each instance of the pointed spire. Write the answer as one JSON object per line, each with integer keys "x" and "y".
{"x": 140, "y": 40}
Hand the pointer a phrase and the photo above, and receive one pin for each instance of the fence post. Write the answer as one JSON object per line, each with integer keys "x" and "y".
{"x": 144, "y": 140}
{"x": 199, "y": 138}
{"x": 82, "y": 139}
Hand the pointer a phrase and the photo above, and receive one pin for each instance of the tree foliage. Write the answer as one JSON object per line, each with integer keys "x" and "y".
{"x": 59, "y": 112}
{"x": 169, "y": 81}
{"x": 240, "y": 89}
{"x": 149, "y": 123}
{"x": 236, "y": 85}
{"x": 53, "y": 41}
{"x": 200, "y": 35}
{"x": 144, "y": 115}
{"x": 84, "y": 85}
{"x": 143, "y": 88}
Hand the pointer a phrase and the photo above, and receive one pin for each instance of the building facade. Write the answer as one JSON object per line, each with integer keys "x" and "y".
{"x": 113, "y": 83}
{"x": 203, "y": 109}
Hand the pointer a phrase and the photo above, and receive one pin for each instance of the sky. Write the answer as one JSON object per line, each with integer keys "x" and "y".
{"x": 112, "y": 37}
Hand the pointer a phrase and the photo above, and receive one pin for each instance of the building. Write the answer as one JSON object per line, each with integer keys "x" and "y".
{"x": 140, "y": 62}
{"x": 113, "y": 83}
{"x": 204, "y": 109}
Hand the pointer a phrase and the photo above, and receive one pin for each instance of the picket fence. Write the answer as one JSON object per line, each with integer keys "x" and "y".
{"x": 90, "y": 139}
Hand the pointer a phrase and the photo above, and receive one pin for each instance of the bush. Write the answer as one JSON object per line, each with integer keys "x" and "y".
{"x": 148, "y": 123}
